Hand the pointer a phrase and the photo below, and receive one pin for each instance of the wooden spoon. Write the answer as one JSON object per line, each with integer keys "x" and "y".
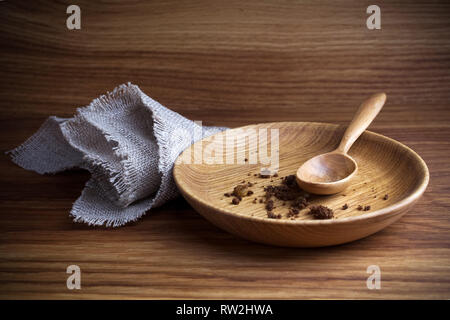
{"x": 332, "y": 172}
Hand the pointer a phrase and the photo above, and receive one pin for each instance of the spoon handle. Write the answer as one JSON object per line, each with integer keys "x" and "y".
{"x": 368, "y": 110}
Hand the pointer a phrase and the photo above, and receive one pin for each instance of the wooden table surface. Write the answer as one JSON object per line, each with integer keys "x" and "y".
{"x": 228, "y": 63}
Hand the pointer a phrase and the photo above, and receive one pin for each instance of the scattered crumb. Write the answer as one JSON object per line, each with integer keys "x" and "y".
{"x": 292, "y": 213}
{"x": 269, "y": 205}
{"x": 240, "y": 190}
{"x": 272, "y": 215}
{"x": 321, "y": 212}
{"x": 290, "y": 195}
{"x": 386, "y": 196}
{"x": 300, "y": 203}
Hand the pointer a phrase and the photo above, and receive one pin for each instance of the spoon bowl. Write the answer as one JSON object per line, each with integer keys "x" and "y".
{"x": 327, "y": 173}
{"x": 332, "y": 172}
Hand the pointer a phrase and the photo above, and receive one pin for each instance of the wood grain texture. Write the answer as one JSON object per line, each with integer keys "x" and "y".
{"x": 227, "y": 63}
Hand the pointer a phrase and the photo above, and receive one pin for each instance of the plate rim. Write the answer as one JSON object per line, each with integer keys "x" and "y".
{"x": 415, "y": 195}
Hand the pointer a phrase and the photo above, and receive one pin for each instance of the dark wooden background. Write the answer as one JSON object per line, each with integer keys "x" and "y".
{"x": 227, "y": 63}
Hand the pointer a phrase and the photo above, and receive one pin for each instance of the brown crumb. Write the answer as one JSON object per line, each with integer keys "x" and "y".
{"x": 345, "y": 207}
{"x": 272, "y": 215}
{"x": 227, "y": 194}
{"x": 290, "y": 181}
{"x": 240, "y": 190}
{"x": 275, "y": 175}
{"x": 293, "y": 213}
{"x": 269, "y": 205}
{"x": 249, "y": 192}
{"x": 254, "y": 200}
{"x": 300, "y": 203}
{"x": 285, "y": 192}
{"x": 366, "y": 208}
{"x": 245, "y": 159}
{"x": 321, "y": 212}
{"x": 235, "y": 201}
{"x": 360, "y": 207}
{"x": 386, "y": 196}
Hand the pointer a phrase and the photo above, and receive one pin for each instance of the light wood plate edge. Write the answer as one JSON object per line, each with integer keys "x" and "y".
{"x": 396, "y": 207}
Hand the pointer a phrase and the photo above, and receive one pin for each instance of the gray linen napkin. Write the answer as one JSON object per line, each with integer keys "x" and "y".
{"x": 126, "y": 141}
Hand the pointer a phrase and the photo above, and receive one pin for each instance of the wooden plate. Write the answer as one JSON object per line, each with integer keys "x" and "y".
{"x": 385, "y": 167}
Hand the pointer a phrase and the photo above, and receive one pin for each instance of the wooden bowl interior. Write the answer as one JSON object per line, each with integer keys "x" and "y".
{"x": 385, "y": 167}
